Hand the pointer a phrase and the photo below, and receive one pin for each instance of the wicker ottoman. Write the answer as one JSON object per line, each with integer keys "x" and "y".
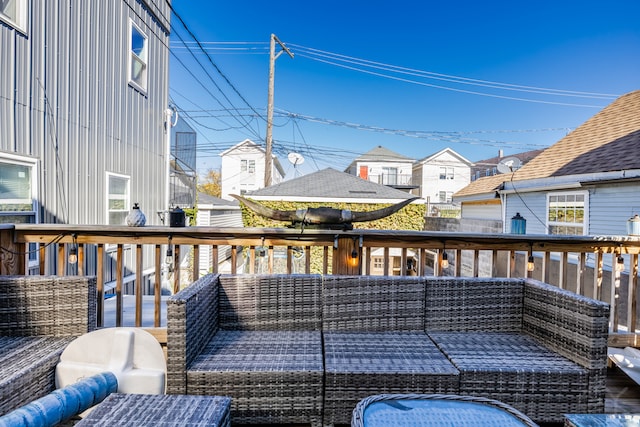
{"x": 358, "y": 365}
{"x": 140, "y": 410}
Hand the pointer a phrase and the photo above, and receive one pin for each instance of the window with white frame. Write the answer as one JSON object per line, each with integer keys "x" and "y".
{"x": 248, "y": 166}
{"x": 14, "y": 13}
{"x": 567, "y": 213}
{"x": 17, "y": 190}
{"x": 118, "y": 199}
{"x": 138, "y": 56}
{"x": 446, "y": 173}
{"x": 445, "y": 196}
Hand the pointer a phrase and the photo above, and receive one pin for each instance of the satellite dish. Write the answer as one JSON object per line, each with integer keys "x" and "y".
{"x": 509, "y": 164}
{"x": 295, "y": 159}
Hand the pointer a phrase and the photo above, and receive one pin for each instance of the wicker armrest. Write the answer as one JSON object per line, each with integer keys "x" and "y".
{"x": 573, "y": 326}
{"x": 192, "y": 319}
{"x": 59, "y": 306}
{"x": 570, "y": 324}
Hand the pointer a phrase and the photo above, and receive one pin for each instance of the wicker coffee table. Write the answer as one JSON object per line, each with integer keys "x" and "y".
{"x": 435, "y": 410}
{"x": 160, "y": 410}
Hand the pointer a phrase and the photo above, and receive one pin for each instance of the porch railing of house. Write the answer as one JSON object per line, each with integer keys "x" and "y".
{"x": 602, "y": 267}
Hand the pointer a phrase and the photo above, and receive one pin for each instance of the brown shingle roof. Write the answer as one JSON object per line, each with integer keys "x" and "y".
{"x": 486, "y": 184}
{"x": 608, "y": 141}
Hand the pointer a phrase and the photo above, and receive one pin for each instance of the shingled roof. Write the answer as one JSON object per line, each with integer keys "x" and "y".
{"x": 382, "y": 154}
{"x": 609, "y": 141}
{"x": 329, "y": 184}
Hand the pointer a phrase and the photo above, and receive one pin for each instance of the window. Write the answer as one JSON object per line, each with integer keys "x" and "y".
{"x": 14, "y": 13}
{"x": 118, "y": 199}
{"x": 446, "y": 173}
{"x": 17, "y": 190}
{"x": 248, "y": 166}
{"x": 137, "y": 57}
{"x": 389, "y": 176}
{"x": 445, "y": 196}
{"x": 566, "y": 213}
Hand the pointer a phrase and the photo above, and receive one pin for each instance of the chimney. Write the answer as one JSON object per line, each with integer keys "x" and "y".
{"x": 500, "y": 153}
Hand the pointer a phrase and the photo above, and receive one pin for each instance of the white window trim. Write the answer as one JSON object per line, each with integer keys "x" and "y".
{"x": 585, "y": 225}
{"x": 23, "y": 13}
{"x": 133, "y": 83}
{"x": 107, "y": 194}
{"x": 33, "y": 164}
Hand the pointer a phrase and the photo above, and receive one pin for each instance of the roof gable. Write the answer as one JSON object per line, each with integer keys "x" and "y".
{"x": 382, "y": 154}
{"x": 330, "y": 183}
{"x": 443, "y": 152}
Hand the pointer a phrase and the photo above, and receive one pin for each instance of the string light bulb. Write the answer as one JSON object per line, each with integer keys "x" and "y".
{"x": 444, "y": 262}
{"x": 531, "y": 265}
{"x": 73, "y": 251}
{"x": 353, "y": 258}
{"x": 620, "y": 263}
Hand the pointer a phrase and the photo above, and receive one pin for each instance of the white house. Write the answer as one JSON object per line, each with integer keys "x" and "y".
{"x": 243, "y": 168}
{"x": 441, "y": 174}
{"x": 384, "y": 167}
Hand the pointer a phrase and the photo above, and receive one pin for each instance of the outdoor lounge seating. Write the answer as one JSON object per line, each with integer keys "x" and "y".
{"x": 39, "y": 316}
{"x": 257, "y": 338}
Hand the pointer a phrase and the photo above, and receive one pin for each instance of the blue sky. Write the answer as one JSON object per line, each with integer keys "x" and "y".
{"x": 365, "y": 74}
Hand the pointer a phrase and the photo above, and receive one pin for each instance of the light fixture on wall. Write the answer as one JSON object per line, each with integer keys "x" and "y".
{"x": 73, "y": 251}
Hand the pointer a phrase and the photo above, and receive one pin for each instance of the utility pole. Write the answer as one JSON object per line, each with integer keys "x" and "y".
{"x": 268, "y": 164}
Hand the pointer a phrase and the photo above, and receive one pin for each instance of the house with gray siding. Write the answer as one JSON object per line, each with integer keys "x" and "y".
{"x": 588, "y": 183}
{"x": 83, "y": 111}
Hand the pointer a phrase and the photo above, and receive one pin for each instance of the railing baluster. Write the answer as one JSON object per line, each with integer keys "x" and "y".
{"x": 476, "y": 263}
{"x": 598, "y": 273}
{"x": 214, "y": 258}
{"x": 119, "y": 279}
{"x": 157, "y": 288}
{"x": 325, "y": 260}
{"x": 43, "y": 256}
{"x": 289, "y": 259}
{"x": 176, "y": 268}
{"x": 100, "y": 284}
{"x": 138, "y": 287}
{"x": 195, "y": 274}
{"x": 582, "y": 262}
{"x": 632, "y": 303}
{"x": 81, "y": 260}
{"x": 62, "y": 260}
{"x": 386, "y": 261}
{"x": 270, "y": 259}
{"x": 307, "y": 260}
{"x": 615, "y": 284}
{"x": 546, "y": 266}
{"x": 252, "y": 259}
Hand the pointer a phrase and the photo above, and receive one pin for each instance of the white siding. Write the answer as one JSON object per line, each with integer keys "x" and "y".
{"x": 611, "y": 206}
{"x": 482, "y": 211}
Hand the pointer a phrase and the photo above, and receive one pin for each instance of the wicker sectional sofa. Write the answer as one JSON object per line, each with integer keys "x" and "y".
{"x": 306, "y": 348}
{"x": 39, "y": 316}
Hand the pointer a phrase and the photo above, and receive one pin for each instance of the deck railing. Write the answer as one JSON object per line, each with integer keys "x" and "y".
{"x": 602, "y": 267}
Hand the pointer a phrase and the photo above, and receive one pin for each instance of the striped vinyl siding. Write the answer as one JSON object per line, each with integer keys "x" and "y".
{"x": 531, "y": 206}
{"x": 222, "y": 218}
{"x": 611, "y": 206}
{"x": 65, "y": 100}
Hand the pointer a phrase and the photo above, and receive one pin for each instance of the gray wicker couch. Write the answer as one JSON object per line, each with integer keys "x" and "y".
{"x": 39, "y": 316}
{"x": 255, "y": 338}
{"x": 306, "y": 348}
